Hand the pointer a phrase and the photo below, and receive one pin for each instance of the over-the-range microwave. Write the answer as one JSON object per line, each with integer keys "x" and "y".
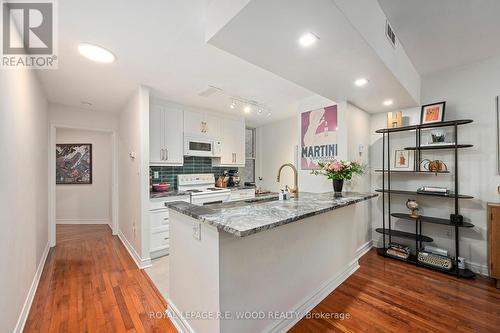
{"x": 195, "y": 146}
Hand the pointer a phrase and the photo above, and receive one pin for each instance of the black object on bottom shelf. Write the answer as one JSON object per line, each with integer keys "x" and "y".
{"x": 412, "y": 259}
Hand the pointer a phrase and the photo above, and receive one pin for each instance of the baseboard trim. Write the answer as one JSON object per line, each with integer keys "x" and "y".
{"x": 176, "y": 318}
{"x": 308, "y": 303}
{"x": 139, "y": 261}
{"x": 363, "y": 249}
{"x": 21, "y": 322}
{"x": 83, "y": 221}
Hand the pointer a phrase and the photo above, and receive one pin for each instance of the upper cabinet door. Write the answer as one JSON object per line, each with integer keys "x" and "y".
{"x": 156, "y": 134}
{"x": 166, "y": 142}
{"x": 173, "y": 136}
{"x": 233, "y": 143}
{"x": 202, "y": 124}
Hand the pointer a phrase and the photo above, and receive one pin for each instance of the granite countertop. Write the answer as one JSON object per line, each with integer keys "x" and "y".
{"x": 246, "y": 217}
{"x": 166, "y": 194}
{"x": 173, "y": 193}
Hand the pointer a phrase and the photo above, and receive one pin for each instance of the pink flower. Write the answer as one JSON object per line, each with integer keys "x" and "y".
{"x": 336, "y": 166}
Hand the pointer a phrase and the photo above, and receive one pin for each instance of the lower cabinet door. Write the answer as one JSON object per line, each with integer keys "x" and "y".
{"x": 159, "y": 241}
{"x": 158, "y": 218}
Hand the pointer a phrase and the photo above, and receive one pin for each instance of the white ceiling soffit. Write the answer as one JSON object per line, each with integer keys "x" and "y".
{"x": 447, "y": 33}
{"x": 351, "y": 45}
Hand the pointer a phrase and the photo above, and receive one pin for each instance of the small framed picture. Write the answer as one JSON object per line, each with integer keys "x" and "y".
{"x": 403, "y": 159}
{"x": 432, "y": 113}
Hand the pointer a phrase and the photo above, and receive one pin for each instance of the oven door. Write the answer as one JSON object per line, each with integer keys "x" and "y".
{"x": 198, "y": 147}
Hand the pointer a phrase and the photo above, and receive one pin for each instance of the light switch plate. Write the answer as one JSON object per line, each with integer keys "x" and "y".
{"x": 197, "y": 230}
{"x": 156, "y": 175}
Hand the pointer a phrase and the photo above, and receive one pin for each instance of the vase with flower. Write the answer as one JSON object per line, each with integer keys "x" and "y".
{"x": 338, "y": 171}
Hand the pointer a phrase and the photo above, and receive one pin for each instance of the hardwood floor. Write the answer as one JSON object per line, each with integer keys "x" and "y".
{"x": 90, "y": 284}
{"x": 385, "y": 295}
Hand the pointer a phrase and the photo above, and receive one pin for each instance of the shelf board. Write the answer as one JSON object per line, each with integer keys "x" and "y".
{"x": 403, "y": 234}
{"x": 425, "y": 126}
{"x": 465, "y": 273}
{"x": 450, "y": 195}
{"x": 430, "y": 219}
{"x": 412, "y": 171}
{"x": 435, "y": 147}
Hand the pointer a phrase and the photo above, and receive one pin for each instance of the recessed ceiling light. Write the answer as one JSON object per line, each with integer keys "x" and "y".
{"x": 233, "y": 105}
{"x": 247, "y": 109}
{"x": 269, "y": 114}
{"x": 361, "y": 82}
{"x": 260, "y": 111}
{"x": 96, "y": 53}
{"x": 308, "y": 39}
{"x": 388, "y": 102}
{"x": 86, "y": 103}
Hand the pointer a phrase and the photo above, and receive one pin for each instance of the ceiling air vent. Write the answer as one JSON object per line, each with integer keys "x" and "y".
{"x": 390, "y": 34}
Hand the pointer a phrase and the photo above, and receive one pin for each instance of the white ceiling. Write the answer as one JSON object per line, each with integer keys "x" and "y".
{"x": 440, "y": 34}
{"x": 265, "y": 32}
{"x": 160, "y": 44}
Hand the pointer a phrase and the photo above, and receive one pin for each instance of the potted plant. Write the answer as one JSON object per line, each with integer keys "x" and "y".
{"x": 338, "y": 171}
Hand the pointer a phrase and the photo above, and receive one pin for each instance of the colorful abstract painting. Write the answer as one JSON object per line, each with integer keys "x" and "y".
{"x": 318, "y": 136}
{"x": 74, "y": 163}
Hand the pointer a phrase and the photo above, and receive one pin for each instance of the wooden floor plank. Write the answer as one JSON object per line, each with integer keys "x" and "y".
{"x": 91, "y": 284}
{"x": 386, "y": 295}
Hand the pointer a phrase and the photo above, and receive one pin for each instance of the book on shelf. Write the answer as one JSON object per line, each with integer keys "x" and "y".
{"x": 429, "y": 144}
{"x": 433, "y": 190}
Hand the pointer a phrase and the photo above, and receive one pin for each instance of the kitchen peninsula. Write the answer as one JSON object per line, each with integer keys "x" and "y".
{"x": 261, "y": 259}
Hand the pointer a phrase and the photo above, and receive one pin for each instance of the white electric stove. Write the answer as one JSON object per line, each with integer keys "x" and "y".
{"x": 202, "y": 189}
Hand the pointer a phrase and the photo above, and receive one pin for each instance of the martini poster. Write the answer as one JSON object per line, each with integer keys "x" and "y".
{"x": 318, "y": 136}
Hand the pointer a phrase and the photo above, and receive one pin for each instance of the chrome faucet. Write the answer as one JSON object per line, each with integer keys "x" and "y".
{"x": 294, "y": 190}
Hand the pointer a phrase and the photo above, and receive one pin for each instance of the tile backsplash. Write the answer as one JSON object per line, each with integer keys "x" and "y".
{"x": 192, "y": 164}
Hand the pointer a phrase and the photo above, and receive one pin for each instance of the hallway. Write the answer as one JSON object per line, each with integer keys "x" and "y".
{"x": 91, "y": 284}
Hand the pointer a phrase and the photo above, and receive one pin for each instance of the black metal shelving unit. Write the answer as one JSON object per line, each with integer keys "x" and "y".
{"x": 455, "y": 221}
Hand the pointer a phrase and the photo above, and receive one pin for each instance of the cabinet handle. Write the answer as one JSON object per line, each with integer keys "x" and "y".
{"x": 166, "y": 154}
{"x": 165, "y": 218}
{"x": 161, "y": 154}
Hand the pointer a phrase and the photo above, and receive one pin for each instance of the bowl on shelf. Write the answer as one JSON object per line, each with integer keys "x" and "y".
{"x": 161, "y": 187}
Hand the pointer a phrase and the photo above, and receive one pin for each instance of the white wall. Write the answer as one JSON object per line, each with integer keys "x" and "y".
{"x": 275, "y": 146}
{"x": 87, "y": 204}
{"x": 358, "y": 145}
{"x": 134, "y": 175}
{"x": 69, "y": 116}
{"x": 469, "y": 92}
{"x": 23, "y": 194}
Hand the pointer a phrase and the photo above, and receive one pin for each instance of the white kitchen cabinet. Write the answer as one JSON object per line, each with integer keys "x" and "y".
{"x": 166, "y": 146}
{"x": 159, "y": 225}
{"x": 202, "y": 124}
{"x": 232, "y": 143}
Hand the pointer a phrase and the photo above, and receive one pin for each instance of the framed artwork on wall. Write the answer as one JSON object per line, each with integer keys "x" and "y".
{"x": 432, "y": 113}
{"x": 318, "y": 136}
{"x": 403, "y": 160}
{"x": 74, "y": 163}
